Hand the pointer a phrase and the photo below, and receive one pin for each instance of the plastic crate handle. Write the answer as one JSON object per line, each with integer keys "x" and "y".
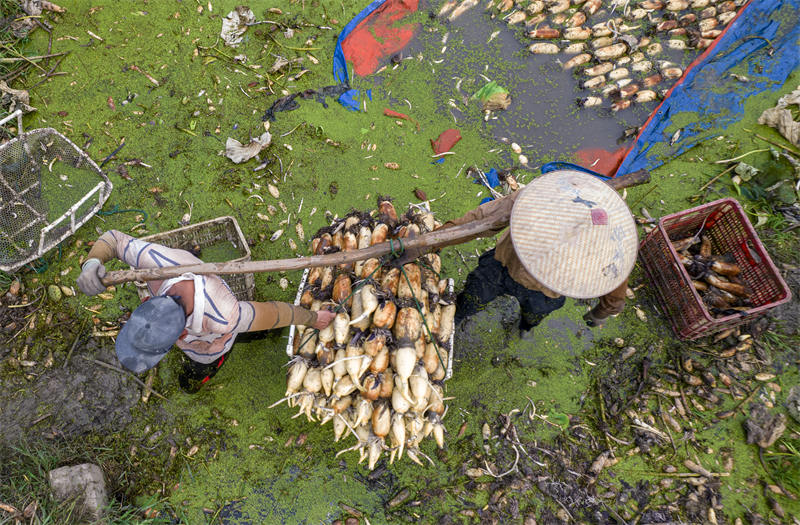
{"x": 712, "y": 219}
{"x": 749, "y": 253}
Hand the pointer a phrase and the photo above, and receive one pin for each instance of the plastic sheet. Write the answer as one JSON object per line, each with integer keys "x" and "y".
{"x": 761, "y": 44}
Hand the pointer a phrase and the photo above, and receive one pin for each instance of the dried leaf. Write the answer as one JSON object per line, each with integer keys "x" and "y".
{"x": 14, "y": 99}
{"x": 235, "y": 24}
{"x": 640, "y": 314}
{"x": 781, "y": 118}
{"x": 497, "y": 102}
{"x": 273, "y": 191}
{"x": 238, "y": 152}
{"x": 474, "y": 472}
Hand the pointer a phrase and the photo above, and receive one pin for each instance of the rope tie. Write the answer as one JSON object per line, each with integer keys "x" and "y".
{"x": 396, "y": 254}
{"x": 116, "y": 209}
{"x": 424, "y": 320}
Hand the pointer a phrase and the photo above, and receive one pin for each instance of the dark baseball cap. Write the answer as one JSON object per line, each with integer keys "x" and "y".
{"x": 149, "y": 333}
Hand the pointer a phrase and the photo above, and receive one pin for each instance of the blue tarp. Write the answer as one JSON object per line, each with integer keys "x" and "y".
{"x": 553, "y": 166}
{"x": 492, "y": 178}
{"x": 761, "y": 46}
{"x": 351, "y": 99}
{"x": 339, "y": 62}
{"x": 757, "y": 52}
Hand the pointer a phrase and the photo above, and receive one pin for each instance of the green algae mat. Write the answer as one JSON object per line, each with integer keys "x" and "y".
{"x": 552, "y": 427}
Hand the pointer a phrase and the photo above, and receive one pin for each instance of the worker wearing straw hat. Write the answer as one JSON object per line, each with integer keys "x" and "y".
{"x": 197, "y": 313}
{"x": 570, "y": 235}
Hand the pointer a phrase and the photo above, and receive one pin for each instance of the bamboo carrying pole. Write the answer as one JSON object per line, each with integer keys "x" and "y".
{"x": 428, "y": 241}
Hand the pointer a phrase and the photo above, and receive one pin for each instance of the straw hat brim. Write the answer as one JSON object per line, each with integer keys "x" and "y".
{"x": 574, "y": 234}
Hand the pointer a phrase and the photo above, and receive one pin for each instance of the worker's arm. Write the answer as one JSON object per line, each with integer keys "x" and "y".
{"x": 610, "y": 304}
{"x": 503, "y": 205}
{"x": 105, "y": 247}
{"x": 135, "y": 252}
{"x": 275, "y": 314}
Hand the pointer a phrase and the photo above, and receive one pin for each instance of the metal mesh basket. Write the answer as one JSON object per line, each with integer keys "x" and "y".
{"x": 49, "y": 187}
{"x": 730, "y": 232}
{"x": 219, "y": 240}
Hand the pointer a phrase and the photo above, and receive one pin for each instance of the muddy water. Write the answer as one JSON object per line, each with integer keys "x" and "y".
{"x": 544, "y": 117}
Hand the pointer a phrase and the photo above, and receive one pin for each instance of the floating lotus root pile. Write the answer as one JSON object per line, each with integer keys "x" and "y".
{"x": 616, "y": 47}
{"x": 376, "y": 371}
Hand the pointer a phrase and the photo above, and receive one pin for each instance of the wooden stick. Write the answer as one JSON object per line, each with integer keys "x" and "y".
{"x": 21, "y": 57}
{"x": 121, "y": 371}
{"x": 725, "y": 161}
{"x": 438, "y": 238}
{"x": 790, "y": 150}
{"x": 716, "y": 178}
{"x": 8, "y": 60}
{"x": 50, "y": 73}
{"x": 678, "y": 474}
{"x": 75, "y": 343}
{"x": 429, "y": 240}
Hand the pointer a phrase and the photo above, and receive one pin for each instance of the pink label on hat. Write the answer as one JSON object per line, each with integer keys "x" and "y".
{"x": 599, "y": 217}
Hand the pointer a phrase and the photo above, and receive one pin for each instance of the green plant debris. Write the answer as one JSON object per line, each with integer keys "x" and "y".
{"x": 227, "y": 453}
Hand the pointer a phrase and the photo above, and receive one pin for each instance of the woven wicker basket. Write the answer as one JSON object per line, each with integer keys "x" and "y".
{"x": 205, "y": 234}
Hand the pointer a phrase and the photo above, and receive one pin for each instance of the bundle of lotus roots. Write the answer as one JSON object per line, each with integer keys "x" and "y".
{"x": 377, "y": 370}
{"x": 715, "y": 277}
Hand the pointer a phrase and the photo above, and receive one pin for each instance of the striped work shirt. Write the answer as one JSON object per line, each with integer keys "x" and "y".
{"x": 223, "y": 316}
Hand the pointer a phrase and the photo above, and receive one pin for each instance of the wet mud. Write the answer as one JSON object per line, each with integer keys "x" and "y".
{"x": 82, "y": 398}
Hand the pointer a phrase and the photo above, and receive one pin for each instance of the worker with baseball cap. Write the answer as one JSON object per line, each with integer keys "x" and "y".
{"x": 197, "y": 313}
{"x": 570, "y": 235}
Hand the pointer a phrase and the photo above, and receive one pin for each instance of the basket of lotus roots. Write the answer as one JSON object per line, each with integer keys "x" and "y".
{"x": 377, "y": 371}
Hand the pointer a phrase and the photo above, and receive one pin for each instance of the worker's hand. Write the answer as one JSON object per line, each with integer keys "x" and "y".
{"x": 593, "y": 321}
{"x": 90, "y": 280}
{"x": 324, "y": 318}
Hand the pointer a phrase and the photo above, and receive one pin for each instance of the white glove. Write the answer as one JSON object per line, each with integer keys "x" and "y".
{"x": 90, "y": 280}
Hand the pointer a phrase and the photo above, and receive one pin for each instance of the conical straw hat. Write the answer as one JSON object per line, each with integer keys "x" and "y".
{"x": 574, "y": 234}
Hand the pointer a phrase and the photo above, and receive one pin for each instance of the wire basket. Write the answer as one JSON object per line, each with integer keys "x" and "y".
{"x": 726, "y": 224}
{"x": 49, "y": 188}
{"x": 219, "y": 240}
